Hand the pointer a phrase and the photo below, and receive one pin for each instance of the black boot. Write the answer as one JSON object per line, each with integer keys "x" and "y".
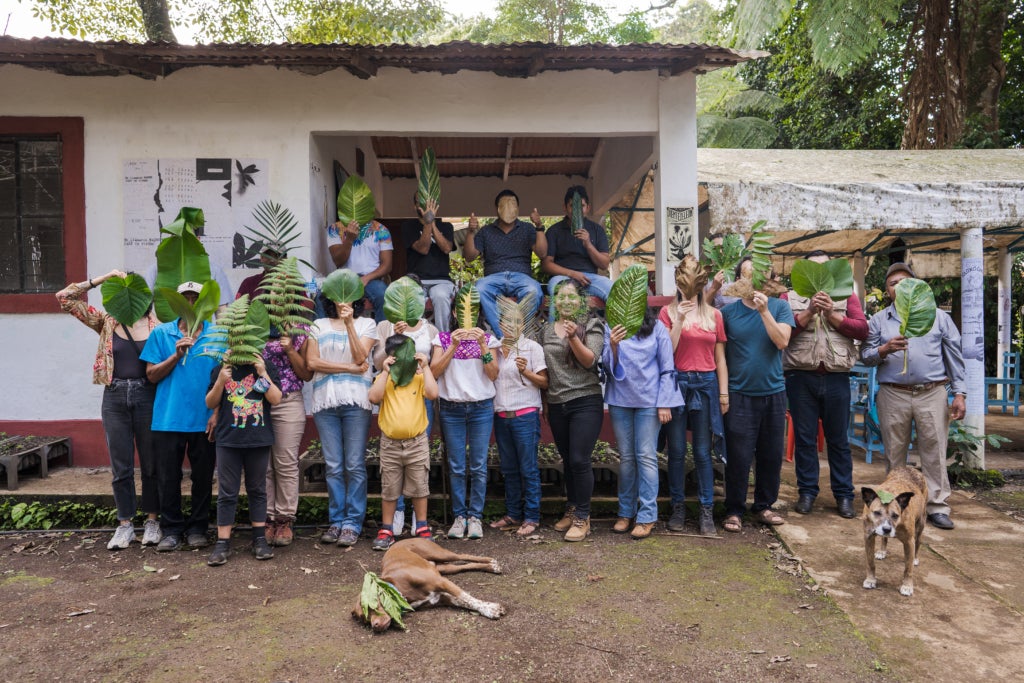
{"x": 677, "y": 521}
{"x": 707, "y": 521}
{"x": 804, "y": 503}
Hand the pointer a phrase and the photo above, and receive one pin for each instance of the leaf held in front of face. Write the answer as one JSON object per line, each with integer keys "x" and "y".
{"x": 691, "y": 277}
{"x": 627, "y": 300}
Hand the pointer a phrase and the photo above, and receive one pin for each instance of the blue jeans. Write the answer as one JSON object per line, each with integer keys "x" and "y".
{"x": 467, "y": 423}
{"x": 343, "y": 432}
{"x": 695, "y": 417}
{"x": 441, "y": 293}
{"x": 599, "y": 286}
{"x": 127, "y": 414}
{"x": 507, "y": 283}
{"x": 755, "y": 428}
{"x": 517, "y": 439}
{"x": 374, "y": 291}
{"x": 814, "y": 396}
{"x": 636, "y": 433}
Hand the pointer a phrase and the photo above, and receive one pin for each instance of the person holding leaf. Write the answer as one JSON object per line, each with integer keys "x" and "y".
{"x": 817, "y": 362}
{"x": 429, "y": 241}
{"x": 916, "y": 348}
{"x": 127, "y": 410}
{"x": 365, "y": 249}
{"x": 577, "y": 248}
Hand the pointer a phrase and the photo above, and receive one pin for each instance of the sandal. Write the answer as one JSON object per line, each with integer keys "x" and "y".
{"x": 769, "y": 517}
{"x": 733, "y": 524}
{"x": 505, "y": 523}
{"x": 528, "y": 529}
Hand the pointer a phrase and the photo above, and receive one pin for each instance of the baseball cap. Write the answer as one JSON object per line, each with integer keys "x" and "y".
{"x": 897, "y": 268}
{"x": 275, "y": 248}
{"x": 189, "y": 286}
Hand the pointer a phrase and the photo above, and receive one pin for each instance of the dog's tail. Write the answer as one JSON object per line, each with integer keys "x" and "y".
{"x": 381, "y": 598}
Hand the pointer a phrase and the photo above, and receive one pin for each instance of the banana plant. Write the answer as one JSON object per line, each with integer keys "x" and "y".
{"x": 429, "y": 186}
{"x": 404, "y": 301}
{"x": 180, "y": 257}
{"x": 343, "y": 285}
{"x": 356, "y": 202}
{"x": 194, "y": 315}
{"x": 404, "y": 368}
{"x": 627, "y": 300}
{"x": 833, "y": 277}
{"x": 126, "y": 299}
{"x": 284, "y": 296}
{"x": 915, "y": 306}
{"x": 240, "y": 334}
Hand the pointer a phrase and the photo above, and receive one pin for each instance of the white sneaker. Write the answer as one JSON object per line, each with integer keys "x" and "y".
{"x": 398, "y": 522}
{"x": 151, "y": 532}
{"x": 123, "y": 537}
{"x": 476, "y": 529}
{"x": 458, "y": 529}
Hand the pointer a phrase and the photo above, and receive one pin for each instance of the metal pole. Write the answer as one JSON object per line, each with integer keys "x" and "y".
{"x": 972, "y": 304}
{"x": 1005, "y": 307}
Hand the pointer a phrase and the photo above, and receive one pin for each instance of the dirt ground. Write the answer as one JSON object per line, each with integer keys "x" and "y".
{"x": 671, "y": 607}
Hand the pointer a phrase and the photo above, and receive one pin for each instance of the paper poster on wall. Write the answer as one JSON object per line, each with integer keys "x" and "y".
{"x": 680, "y": 233}
{"x": 227, "y": 190}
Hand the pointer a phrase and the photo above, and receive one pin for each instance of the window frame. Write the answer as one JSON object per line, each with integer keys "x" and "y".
{"x": 72, "y": 135}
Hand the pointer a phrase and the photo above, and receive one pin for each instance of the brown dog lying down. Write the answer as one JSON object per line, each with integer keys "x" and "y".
{"x": 416, "y": 567}
{"x": 902, "y": 516}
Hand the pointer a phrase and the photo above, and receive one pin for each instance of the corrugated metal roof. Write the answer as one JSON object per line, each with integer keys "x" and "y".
{"x": 152, "y": 60}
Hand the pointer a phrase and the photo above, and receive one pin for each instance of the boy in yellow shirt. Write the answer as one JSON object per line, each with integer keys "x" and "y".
{"x": 404, "y": 443}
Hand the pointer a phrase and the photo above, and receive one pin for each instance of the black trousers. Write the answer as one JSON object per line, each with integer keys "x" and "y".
{"x": 171, "y": 448}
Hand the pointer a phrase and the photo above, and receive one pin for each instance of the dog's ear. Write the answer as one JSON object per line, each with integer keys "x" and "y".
{"x": 868, "y": 494}
{"x": 904, "y": 499}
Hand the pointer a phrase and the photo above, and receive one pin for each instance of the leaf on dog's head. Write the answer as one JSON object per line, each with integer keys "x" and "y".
{"x": 885, "y": 496}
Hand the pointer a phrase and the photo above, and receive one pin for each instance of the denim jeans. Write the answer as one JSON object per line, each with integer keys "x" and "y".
{"x": 575, "y": 426}
{"x": 755, "y": 428}
{"x": 509, "y": 284}
{"x": 636, "y": 433}
{"x": 517, "y": 439}
{"x": 467, "y": 423}
{"x": 825, "y": 397}
{"x": 695, "y": 417}
{"x": 441, "y": 293}
{"x": 231, "y": 464}
{"x": 374, "y": 291}
{"x": 170, "y": 449}
{"x": 127, "y": 415}
{"x": 343, "y": 431}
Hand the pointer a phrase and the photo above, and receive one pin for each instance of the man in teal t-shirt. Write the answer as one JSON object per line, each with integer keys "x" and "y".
{"x": 758, "y": 329}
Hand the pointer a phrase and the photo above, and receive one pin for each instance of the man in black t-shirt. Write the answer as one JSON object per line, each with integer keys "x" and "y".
{"x": 577, "y": 255}
{"x": 428, "y": 242}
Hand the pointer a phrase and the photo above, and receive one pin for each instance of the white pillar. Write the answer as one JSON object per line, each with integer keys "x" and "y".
{"x": 675, "y": 189}
{"x": 972, "y": 304}
{"x": 1005, "y": 319}
{"x": 859, "y": 274}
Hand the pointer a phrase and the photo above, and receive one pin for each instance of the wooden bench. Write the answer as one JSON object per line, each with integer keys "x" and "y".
{"x": 1007, "y": 387}
{"x": 22, "y": 452}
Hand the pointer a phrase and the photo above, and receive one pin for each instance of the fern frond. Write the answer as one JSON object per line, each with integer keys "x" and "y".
{"x": 755, "y": 19}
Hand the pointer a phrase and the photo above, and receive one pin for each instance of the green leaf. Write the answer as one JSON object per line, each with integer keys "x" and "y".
{"x": 885, "y": 496}
{"x": 724, "y": 257}
{"x": 467, "y": 306}
{"x": 206, "y": 305}
{"x": 126, "y": 299}
{"x": 842, "y": 278}
{"x": 180, "y": 305}
{"x": 179, "y": 258}
{"x": 284, "y": 295}
{"x": 810, "y": 277}
{"x": 761, "y": 255}
{"x": 355, "y": 202}
{"x": 627, "y": 300}
{"x": 404, "y": 301}
{"x": 915, "y": 305}
{"x": 430, "y": 181}
{"x": 189, "y": 218}
{"x": 577, "y": 212}
{"x": 343, "y": 286}
{"x": 404, "y": 367}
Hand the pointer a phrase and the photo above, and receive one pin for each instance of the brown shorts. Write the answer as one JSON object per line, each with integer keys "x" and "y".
{"x": 405, "y": 467}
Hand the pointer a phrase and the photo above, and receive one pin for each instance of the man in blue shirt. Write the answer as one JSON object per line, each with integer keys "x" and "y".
{"x": 758, "y": 329}
{"x": 577, "y": 254}
{"x": 181, "y": 424}
{"x": 920, "y": 395}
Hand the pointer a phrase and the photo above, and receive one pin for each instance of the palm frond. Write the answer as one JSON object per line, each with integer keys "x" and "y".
{"x": 577, "y": 212}
{"x": 430, "y": 181}
{"x": 518, "y": 319}
{"x": 845, "y": 34}
{"x": 745, "y": 132}
{"x": 761, "y": 254}
{"x": 467, "y": 306}
{"x": 757, "y": 18}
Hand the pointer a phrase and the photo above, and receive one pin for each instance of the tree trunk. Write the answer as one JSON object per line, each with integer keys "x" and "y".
{"x": 983, "y": 69}
{"x": 157, "y": 21}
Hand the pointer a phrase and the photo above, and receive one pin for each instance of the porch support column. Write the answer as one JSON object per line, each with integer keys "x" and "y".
{"x": 675, "y": 189}
{"x": 972, "y": 304}
{"x": 859, "y": 274}
{"x": 1005, "y": 320}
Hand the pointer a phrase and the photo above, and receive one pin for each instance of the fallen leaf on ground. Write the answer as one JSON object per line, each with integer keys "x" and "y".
{"x": 175, "y": 577}
{"x": 148, "y": 568}
{"x": 307, "y": 570}
{"x": 81, "y": 612}
{"x": 253, "y": 588}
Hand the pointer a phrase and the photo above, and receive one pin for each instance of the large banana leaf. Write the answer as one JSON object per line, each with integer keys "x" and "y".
{"x": 343, "y": 285}
{"x": 577, "y": 212}
{"x": 126, "y": 299}
{"x": 627, "y": 300}
{"x": 467, "y": 306}
{"x": 180, "y": 305}
{"x": 915, "y": 306}
{"x": 179, "y": 258}
{"x": 430, "y": 181}
{"x": 404, "y": 368}
{"x": 355, "y": 202}
{"x": 404, "y": 301}
{"x": 189, "y": 218}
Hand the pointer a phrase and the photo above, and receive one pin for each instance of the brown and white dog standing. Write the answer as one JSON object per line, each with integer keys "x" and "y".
{"x": 416, "y": 567}
{"x": 902, "y": 517}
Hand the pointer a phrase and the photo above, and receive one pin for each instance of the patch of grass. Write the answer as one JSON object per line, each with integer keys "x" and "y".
{"x": 26, "y": 580}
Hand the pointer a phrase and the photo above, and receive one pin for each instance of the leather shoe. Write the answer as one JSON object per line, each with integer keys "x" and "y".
{"x": 940, "y": 520}
{"x": 804, "y": 503}
{"x": 845, "y": 508}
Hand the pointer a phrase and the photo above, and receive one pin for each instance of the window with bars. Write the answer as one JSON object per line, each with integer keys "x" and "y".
{"x": 31, "y": 214}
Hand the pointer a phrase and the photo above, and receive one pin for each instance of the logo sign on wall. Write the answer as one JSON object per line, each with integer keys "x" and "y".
{"x": 680, "y": 233}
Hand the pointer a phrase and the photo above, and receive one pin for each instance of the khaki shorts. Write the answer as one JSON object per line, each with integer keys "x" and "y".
{"x": 405, "y": 467}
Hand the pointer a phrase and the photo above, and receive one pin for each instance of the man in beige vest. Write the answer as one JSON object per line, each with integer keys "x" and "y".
{"x": 817, "y": 364}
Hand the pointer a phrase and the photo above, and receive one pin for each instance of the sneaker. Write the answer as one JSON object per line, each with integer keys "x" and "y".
{"x": 641, "y": 530}
{"x": 151, "y": 532}
{"x": 579, "y": 530}
{"x": 168, "y": 544}
{"x": 261, "y": 549}
{"x": 474, "y": 529}
{"x": 124, "y": 536}
{"x": 385, "y": 539}
{"x": 198, "y": 540}
{"x": 424, "y": 532}
{"x": 331, "y": 536}
{"x": 347, "y": 538}
{"x": 219, "y": 554}
{"x": 283, "y": 534}
{"x": 677, "y": 521}
{"x": 398, "y": 522}
{"x": 458, "y": 529}
{"x": 566, "y": 521}
{"x": 270, "y": 531}
{"x": 707, "y": 521}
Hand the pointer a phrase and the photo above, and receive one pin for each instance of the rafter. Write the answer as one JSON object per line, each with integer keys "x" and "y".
{"x": 508, "y": 159}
